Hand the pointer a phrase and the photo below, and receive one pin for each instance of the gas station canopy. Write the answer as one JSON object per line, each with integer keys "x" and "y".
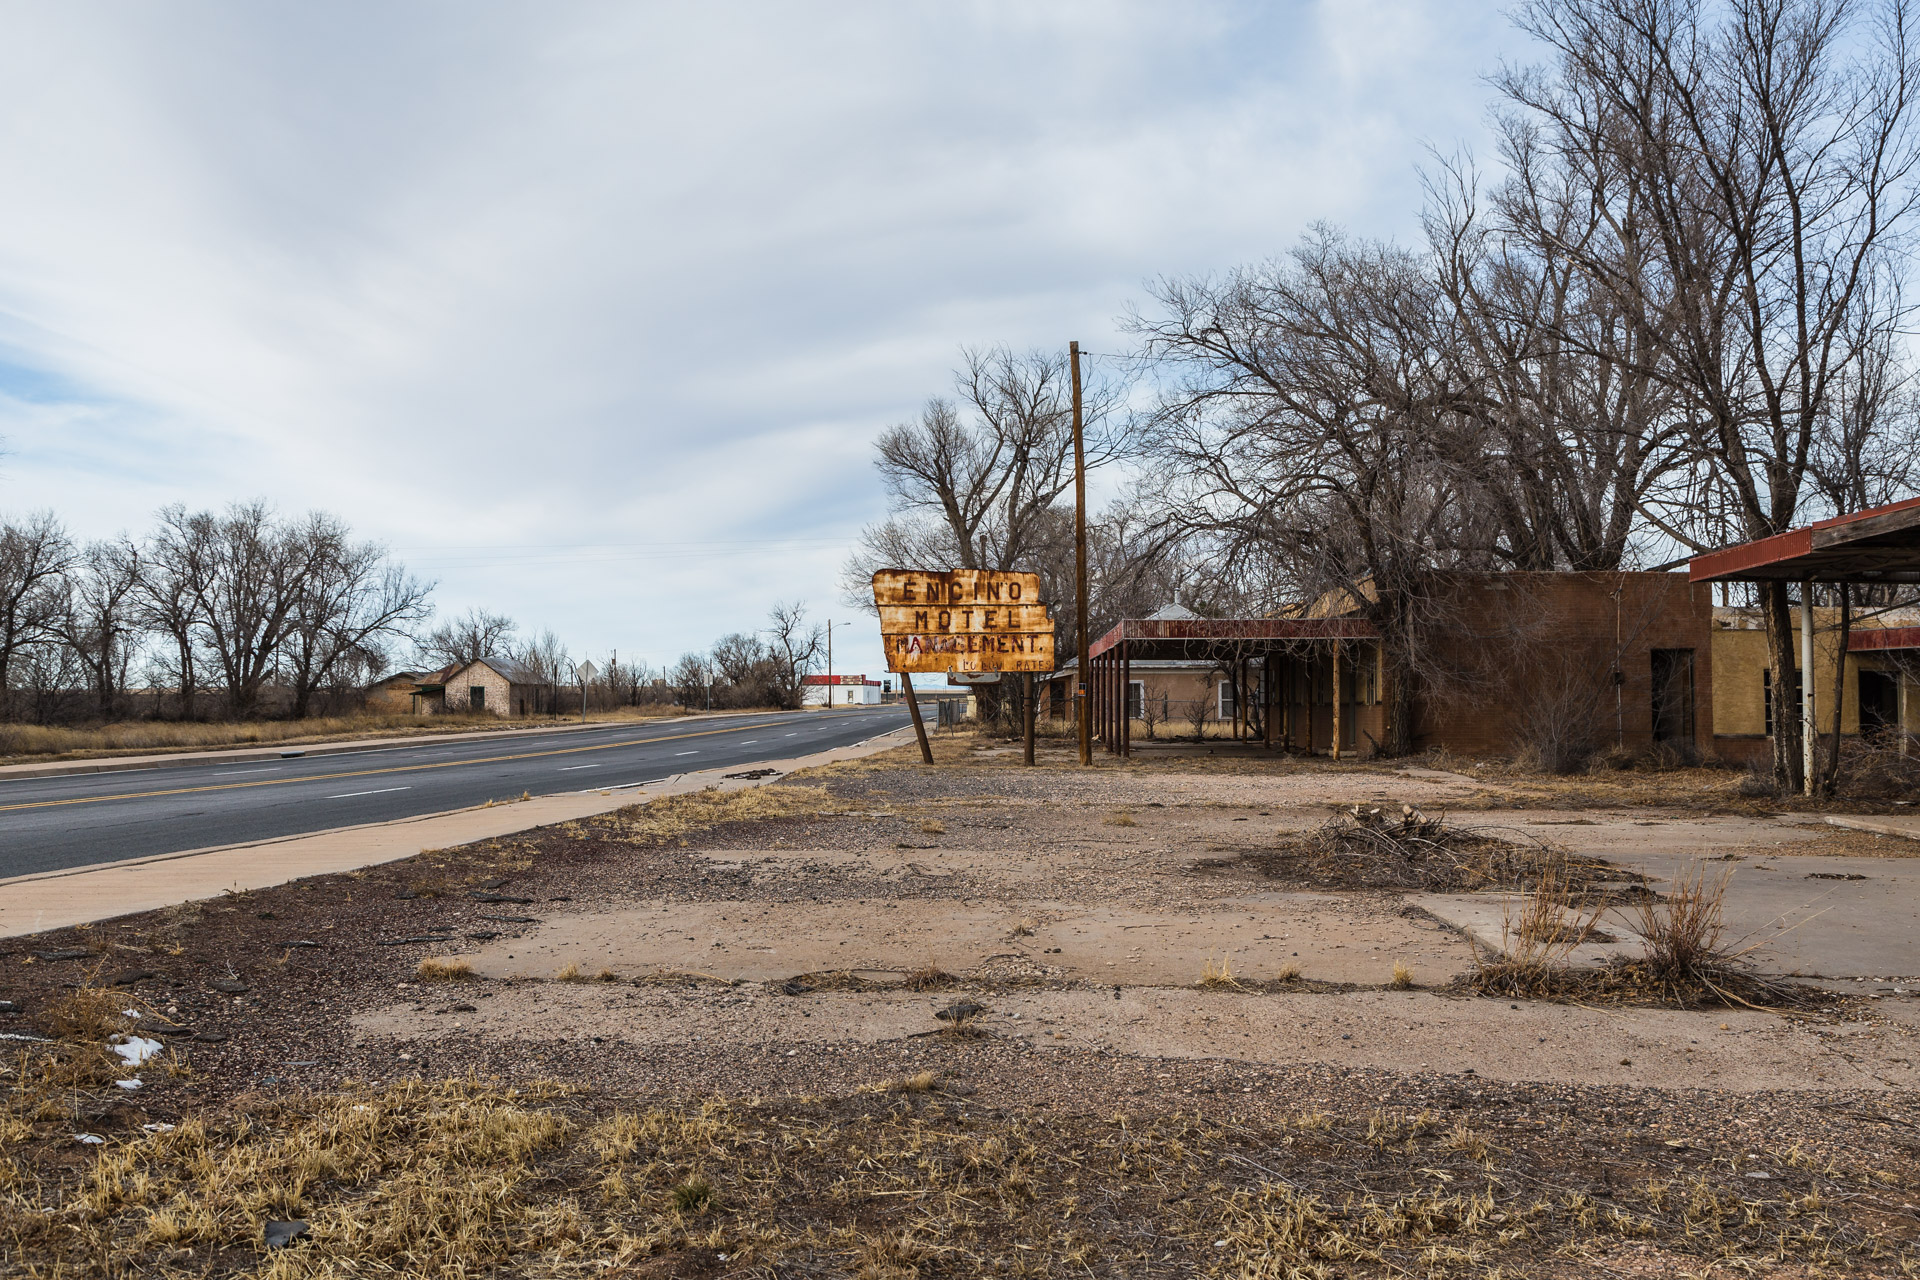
{"x": 1878, "y": 545}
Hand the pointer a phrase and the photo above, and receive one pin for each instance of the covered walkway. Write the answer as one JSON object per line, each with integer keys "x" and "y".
{"x": 1301, "y": 684}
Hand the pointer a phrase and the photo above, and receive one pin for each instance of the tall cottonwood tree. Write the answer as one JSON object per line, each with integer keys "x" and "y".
{"x": 1756, "y": 157}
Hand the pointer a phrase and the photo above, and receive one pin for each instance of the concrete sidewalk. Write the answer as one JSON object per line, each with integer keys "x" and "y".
{"x": 56, "y": 899}
{"x": 277, "y": 751}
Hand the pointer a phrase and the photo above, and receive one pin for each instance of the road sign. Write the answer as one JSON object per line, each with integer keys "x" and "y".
{"x": 586, "y": 671}
{"x": 964, "y": 620}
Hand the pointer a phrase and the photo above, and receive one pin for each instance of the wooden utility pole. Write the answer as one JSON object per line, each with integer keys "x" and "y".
{"x": 1080, "y": 692}
{"x": 1030, "y": 710}
{"x": 919, "y": 725}
{"x": 829, "y": 664}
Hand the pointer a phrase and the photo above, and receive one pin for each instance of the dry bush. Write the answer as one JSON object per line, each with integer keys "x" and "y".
{"x": 1289, "y": 972}
{"x": 1402, "y": 976}
{"x": 444, "y": 969}
{"x": 572, "y": 973}
{"x": 1363, "y": 847}
{"x": 933, "y": 827}
{"x": 1122, "y": 819}
{"x": 1687, "y": 961}
{"x": 929, "y": 977}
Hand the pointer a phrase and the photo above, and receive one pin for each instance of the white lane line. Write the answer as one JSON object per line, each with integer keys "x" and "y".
{"x": 237, "y": 772}
{"x": 686, "y": 753}
{"x": 793, "y": 735}
{"x": 570, "y": 768}
{"x": 749, "y": 742}
{"x": 380, "y": 792}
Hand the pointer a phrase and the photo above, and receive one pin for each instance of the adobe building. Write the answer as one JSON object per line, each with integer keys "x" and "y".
{"x": 1549, "y": 661}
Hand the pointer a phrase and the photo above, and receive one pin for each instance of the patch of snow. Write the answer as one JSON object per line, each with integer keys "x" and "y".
{"x": 91, "y": 1139}
{"x": 129, "y": 1084}
{"x": 134, "y": 1050}
{"x": 157, "y": 1127}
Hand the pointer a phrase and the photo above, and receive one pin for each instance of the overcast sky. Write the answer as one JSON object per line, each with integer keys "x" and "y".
{"x": 591, "y": 312}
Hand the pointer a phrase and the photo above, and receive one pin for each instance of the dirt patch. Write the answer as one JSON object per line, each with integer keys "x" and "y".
{"x": 1350, "y": 941}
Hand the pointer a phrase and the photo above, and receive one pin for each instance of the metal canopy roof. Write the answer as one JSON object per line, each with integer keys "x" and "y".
{"x": 1880, "y": 545}
{"x": 1157, "y": 638}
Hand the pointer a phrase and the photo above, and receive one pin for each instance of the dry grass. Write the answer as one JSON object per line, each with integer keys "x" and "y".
{"x": 933, "y": 827}
{"x": 1402, "y": 976}
{"x": 572, "y": 973}
{"x": 1218, "y": 975}
{"x": 1122, "y": 819}
{"x": 465, "y": 1178}
{"x": 1289, "y": 972}
{"x": 444, "y": 969}
{"x": 160, "y": 737}
{"x": 673, "y": 817}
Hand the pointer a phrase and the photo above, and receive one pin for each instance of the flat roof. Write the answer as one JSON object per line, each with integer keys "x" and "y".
{"x": 1878, "y": 545}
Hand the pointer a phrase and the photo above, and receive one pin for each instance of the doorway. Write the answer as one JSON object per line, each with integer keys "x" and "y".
{"x": 1673, "y": 695}
{"x": 1879, "y": 702}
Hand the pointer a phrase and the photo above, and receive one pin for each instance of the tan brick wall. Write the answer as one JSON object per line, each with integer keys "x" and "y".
{"x": 1740, "y": 656}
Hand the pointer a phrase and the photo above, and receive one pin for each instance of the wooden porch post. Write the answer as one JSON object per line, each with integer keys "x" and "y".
{"x": 1336, "y": 699}
{"x": 1126, "y": 700}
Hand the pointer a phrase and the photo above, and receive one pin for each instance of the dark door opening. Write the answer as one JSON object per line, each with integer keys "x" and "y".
{"x": 477, "y": 697}
{"x": 1672, "y": 695}
{"x": 1879, "y": 701}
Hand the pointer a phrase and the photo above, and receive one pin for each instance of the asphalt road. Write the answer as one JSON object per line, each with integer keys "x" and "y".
{"x": 77, "y": 820}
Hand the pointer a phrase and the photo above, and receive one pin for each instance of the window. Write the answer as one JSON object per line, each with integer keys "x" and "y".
{"x": 1136, "y": 698}
{"x": 1226, "y": 700}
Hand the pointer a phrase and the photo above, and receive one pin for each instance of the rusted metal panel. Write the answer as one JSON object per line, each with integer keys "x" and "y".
{"x": 1762, "y": 558}
{"x": 899, "y": 619}
{"x": 1883, "y": 638}
{"x": 1000, "y": 651}
{"x": 1232, "y": 630}
{"x": 955, "y": 587}
{"x": 963, "y": 620}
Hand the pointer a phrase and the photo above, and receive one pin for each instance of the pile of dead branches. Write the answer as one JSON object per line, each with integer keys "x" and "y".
{"x": 1363, "y": 847}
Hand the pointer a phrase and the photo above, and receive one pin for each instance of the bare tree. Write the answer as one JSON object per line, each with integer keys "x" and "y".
{"x": 1758, "y": 156}
{"x": 35, "y": 555}
{"x": 177, "y": 559}
{"x": 471, "y": 637}
{"x": 794, "y": 648}
{"x": 690, "y": 681}
{"x": 350, "y": 600}
{"x": 101, "y": 623}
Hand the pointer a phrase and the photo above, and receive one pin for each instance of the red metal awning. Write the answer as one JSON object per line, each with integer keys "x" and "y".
{"x": 1176, "y": 637}
{"x": 1879, "y": 545}
{"x": 1873, "y": 638}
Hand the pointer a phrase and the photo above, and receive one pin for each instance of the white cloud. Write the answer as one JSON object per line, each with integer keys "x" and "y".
{"x": 490, "y": 278}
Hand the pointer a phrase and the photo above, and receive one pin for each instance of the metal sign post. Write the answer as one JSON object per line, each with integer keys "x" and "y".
{"x": 586, "y": 671}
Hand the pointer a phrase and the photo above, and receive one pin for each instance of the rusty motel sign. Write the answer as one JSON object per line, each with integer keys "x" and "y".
{"x": 962, "y": 621}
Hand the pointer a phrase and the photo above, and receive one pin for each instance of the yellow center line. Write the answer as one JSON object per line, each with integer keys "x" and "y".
{"x": 368, "y": 773}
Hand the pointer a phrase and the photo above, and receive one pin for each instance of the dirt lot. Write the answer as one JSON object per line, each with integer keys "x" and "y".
{"x": 890, "y": 1020}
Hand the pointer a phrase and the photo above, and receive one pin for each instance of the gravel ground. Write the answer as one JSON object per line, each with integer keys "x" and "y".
{"x": 294, "y": 990}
